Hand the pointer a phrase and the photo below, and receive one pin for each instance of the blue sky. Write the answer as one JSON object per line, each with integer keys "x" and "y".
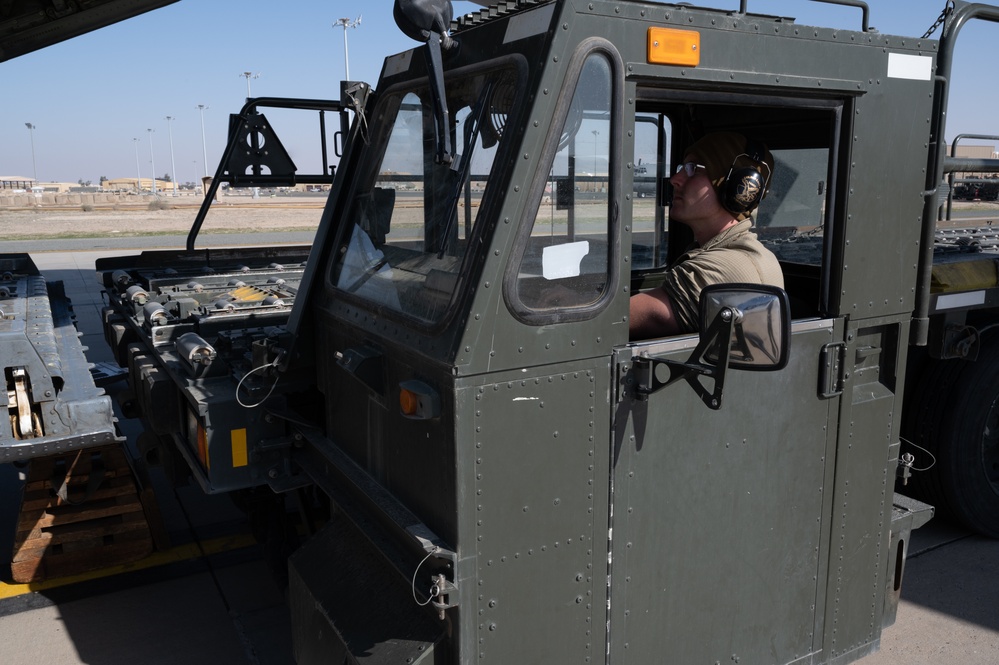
{"x": 90, "y": 96}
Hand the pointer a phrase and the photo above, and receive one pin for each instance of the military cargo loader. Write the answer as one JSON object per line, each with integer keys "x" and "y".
{"x": 511, "y": 478}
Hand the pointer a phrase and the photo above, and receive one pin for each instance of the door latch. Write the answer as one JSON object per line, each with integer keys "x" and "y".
{"x": 831, "y": 363}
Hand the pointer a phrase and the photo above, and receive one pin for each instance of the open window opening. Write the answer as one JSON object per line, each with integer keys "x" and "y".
{"x": 794, "y": 220}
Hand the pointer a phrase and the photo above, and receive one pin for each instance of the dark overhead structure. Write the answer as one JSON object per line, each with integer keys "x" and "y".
{"x": 29, "y": 25}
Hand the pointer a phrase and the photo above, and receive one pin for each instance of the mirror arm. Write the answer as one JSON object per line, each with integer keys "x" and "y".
{"x": 435, "y": 69}
{"x": 716, "y": 340}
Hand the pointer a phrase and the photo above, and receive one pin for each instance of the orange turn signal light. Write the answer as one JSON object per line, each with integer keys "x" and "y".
{"x": 669, "y": 46}
{"x": 409, "y": 402}
{"x": 418, "y": 401}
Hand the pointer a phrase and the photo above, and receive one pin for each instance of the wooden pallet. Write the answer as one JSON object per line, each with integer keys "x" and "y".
{"x": 98, "y": 521}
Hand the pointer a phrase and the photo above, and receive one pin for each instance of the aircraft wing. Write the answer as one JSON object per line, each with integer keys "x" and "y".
{"x": 29, "y": 25}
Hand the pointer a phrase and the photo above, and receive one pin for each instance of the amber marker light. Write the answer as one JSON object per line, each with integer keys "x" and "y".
{"x": 408, "y": 402}
{"x": 418, "y": 401}
{"x": 668, "y": 46}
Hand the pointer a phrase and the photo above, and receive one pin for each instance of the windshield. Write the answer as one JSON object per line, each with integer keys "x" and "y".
{"x": 411, "y": 218}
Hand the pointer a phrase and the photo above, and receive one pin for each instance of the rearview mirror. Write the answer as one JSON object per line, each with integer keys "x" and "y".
{"x": 743, "y": 326}
{"x": 762, "y": 327}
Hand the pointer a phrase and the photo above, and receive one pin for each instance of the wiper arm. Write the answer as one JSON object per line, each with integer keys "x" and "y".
{"x": 471, "y": 135}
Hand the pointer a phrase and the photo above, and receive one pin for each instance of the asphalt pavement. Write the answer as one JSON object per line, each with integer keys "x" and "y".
{"x": 211, "y": 598}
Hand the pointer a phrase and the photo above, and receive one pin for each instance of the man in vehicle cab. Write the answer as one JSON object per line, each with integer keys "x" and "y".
{"x": 722, "y": 179}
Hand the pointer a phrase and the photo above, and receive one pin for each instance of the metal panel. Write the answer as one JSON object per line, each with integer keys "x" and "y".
{"x": 539, "y": 497}
{"x": 891, "y": 128}
{"x": 866, "y": 456}
{"x": 52, "y": 403}
{"x": 356, "y": 611}
{"x": 744, "y": 579}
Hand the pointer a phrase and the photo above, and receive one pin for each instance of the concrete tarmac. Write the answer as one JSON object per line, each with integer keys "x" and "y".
{"x": 212, "y": 598}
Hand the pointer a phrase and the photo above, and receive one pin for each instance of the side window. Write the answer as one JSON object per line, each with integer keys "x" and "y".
{"x": 648, "y": 218}
{"x": 411, "y": 218}
{"x": 566, "y": 261}
{"x": 791, "y": 218}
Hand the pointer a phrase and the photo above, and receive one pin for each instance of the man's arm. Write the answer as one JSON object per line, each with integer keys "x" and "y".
{"x": 651, "y": 315}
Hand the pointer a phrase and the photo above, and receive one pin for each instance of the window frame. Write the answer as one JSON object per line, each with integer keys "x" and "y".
{"x": 836, "y": 140}
{"x": 518, "y": 309}
{"x": 491, "y": 202}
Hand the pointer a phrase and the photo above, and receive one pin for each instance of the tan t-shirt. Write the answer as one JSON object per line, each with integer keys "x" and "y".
{"x": 734, "y": 255}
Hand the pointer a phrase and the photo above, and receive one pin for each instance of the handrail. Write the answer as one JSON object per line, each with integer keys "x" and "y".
{"x": 249, "y": 107}
{"x": 961, "y": 14}
{"x": 862, "y": 6}
{"x": 950, "y": 165}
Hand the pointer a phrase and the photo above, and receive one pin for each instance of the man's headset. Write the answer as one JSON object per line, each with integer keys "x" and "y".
{"x": 745, "y": 187}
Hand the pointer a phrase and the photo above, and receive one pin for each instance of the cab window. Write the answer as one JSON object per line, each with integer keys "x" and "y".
{"x": 566, "y": 259}
{"x": 410, "y": 220}
{"x": 794, "y": 220}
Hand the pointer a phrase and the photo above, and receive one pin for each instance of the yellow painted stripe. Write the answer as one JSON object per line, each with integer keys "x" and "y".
{"x": 238, "y": 447}
{"x": 172, "y": 555}
{"x": 966, "y": 276}
{"x": 203, "y": 446}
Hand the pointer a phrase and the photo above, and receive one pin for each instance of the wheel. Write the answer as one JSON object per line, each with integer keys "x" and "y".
{"x": 958, "y": 422}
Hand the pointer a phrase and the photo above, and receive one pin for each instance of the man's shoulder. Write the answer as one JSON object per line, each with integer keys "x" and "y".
{"x": 740, "y": 256}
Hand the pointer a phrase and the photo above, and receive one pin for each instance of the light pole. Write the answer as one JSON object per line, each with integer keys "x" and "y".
{"x": 202, "y": 108}
{"x": 138, "y": 174}
{"x": 34, "y": 169}
{"x": 173, "y": 164}
{"x": 346, "y": 23}
{"x": 249, "y": 75}
{"x": 152, "y": 162}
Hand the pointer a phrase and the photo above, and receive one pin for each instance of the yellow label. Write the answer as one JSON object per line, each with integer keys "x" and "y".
{"x": 238, "y": 437}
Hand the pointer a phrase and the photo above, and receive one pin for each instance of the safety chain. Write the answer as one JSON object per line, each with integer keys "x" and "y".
{"x": 947, "y": 11}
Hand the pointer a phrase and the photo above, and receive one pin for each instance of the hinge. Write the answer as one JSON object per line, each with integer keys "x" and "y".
{"x": 623, "y": 380}
{"x": 831, "y": 362}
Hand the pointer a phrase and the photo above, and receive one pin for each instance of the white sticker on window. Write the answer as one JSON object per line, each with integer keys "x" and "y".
{"x": 915, "y": 67}
{"x": 560, "y": 261}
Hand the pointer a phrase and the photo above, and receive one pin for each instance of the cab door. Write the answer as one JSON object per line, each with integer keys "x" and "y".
{"x": 720, "y": 516}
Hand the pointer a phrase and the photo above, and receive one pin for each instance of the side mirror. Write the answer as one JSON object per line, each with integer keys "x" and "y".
{"x": 761, "y": 329}
{"x": 743, "y": 326}
{"x": 428, "y": 21}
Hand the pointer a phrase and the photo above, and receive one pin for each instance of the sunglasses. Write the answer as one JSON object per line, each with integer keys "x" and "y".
{"x": 690, "y": 168}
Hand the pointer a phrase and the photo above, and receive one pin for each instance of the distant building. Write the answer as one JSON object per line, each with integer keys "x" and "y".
{"x": 128, "y": 184}
{"x": 22, "y": 184}
{"x": 17, "y": 182}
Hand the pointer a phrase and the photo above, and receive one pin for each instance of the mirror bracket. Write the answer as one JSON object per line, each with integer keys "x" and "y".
{"x": 715, "y": 342}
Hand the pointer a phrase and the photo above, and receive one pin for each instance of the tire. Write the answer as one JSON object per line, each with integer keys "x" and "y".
{"x": 958, "y": 421}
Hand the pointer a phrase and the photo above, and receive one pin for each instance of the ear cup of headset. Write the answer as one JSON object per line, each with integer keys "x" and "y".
{"x": 743, "y": 190}
{"x": 745, "y": 186}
